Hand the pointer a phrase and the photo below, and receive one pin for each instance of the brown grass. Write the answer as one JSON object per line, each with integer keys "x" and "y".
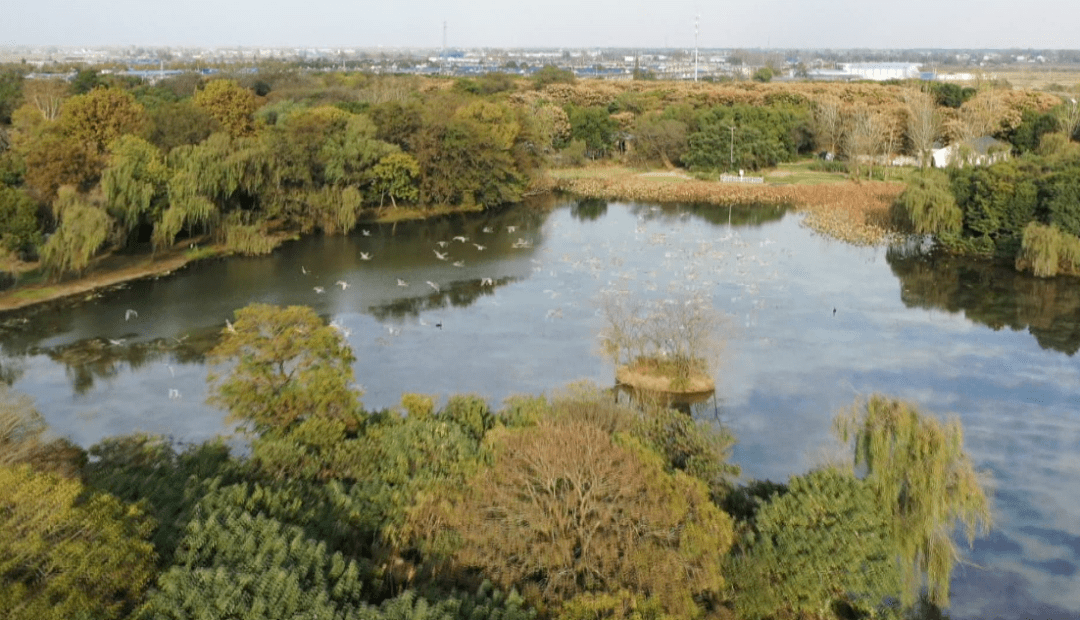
{"x": 856, "y": 212}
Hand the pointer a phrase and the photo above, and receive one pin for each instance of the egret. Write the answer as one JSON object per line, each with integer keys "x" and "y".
{"x": 511, "y": 229}
{"x": 489, "y": 230}
{"x": 318, "y": 289}
{"x": 458, "y": 263}
{"x": 486, "y": 282}
{"x": 440, "y": 255}
{"x": 442, "y": 244}
{"x": 174, "y": 393}
{"x": 365, "y": 232}
{"x": 130, "y": 314}
{"x": 479, "y": 247}
{"x": 229, "y": 327}
{"x": 433, "y": 285}
{"x": 401, "y": 282}
{"x": 365, "y": 256}
{"x": 342, "y": 283}
{"x": 303, "y": 270}
{"x": 116, "y": 343}
{"x": 461, "y": 239}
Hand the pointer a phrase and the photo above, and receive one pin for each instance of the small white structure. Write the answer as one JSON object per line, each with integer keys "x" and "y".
{"x": 981, "y": 151}
{"x": 881, "y": 71}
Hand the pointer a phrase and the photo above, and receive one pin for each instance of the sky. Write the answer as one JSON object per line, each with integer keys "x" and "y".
{"x": 801, "y": 24}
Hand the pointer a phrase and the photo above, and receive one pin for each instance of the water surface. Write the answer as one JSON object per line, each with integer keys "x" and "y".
{"x": 813, "y": 324}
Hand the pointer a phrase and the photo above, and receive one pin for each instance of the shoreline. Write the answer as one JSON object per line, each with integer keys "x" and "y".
{"x": 854, "y": 212}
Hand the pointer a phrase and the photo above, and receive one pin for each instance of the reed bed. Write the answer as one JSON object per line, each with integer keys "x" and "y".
{"x": 855, "y": 212}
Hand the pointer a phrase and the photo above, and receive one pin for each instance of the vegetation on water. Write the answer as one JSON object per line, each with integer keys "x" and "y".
{"x": 570, "y": 505}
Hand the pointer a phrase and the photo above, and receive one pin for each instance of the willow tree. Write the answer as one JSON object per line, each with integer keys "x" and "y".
{"x": 917, "y": 467}
{"x": 84, "y": 228}
{"x": 133, "y": 181}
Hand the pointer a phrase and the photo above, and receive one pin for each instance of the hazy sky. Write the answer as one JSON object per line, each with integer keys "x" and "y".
{"x": 546, "y": 23}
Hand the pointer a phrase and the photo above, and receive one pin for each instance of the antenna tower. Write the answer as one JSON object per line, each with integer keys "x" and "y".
{"x": 443, "y": 55}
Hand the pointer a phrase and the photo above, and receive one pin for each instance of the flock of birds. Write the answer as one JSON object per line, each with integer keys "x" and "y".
{"x": 665, "y": 262}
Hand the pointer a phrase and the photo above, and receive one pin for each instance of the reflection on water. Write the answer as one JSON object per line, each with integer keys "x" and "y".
{"x": 994, "y": 295}
{"x": 506, "y": 303}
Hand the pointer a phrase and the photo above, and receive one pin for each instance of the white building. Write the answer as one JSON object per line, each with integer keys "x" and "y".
{"x": 881, "y": 71}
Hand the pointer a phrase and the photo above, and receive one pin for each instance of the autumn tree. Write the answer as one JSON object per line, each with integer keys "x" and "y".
{"x": 864, "y": 136}
{"x": 288, "y": 366}
{"x": 230, "y": 105}
{"x": 923, "y": 123}
{"x": 45, "y": 96}
{"x": 24, "y": 438}
{"x": 828, "y": 125}
{"x": 65, "y": 553}
{"x": 568, "y": 509}
{"x": 918, "y": 469}
{"x": 101, "y": 116}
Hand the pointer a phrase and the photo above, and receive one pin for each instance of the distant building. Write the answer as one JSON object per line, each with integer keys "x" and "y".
{"x": 981, "y": 151}
{"x": 881, "y": 71}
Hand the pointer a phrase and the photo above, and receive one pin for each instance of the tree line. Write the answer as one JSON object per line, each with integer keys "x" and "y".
{"x": 569, "y": 505}
{"x": 107, "y": 163}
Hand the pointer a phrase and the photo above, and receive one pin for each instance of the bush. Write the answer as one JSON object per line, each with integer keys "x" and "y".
{"x": 1046, "y": 251}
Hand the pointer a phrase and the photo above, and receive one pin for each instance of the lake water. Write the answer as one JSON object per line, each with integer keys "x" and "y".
{"x": 813, "y": 324}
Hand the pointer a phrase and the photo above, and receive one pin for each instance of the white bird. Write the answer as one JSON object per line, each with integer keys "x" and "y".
{"x": 423, "y": 323}
{"x": 174, "y": 393}
{"x": 342, "y": 283}
{"x": 394, "y": 331}
{"x": 511, "y": 229}
{"x": 486, "y": 282}
{"x": 461, "y": 238}
{"x": 401, "y": 282}
{"x": 433, "y": 285}
{"x": 341, "y": 329}
{"x": 229, "y": 327}
{"x": 440, "y": 255}
{"x": 365, "y": 256}
{"x": 116, "y": 343}
{"x": 459, "y": 263}
{"x": 318, "y": 289}
{"x": 303, "y": 270}
{"x": 442, "y": 244}
{"x": 489, "y": 229}
{"x": 479, "y": 247}
{"x": 365, "y": 232}
{"x": 130, "y": 314}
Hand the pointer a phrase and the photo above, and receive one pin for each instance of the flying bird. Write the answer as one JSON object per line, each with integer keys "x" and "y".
{"x": 433, "y": 285}
{"x": 480, "y": 247}
{"x": 486, "y": 282}
{"x": 440, "y": 255}
{"x": 365, "y": 232}
{"x": 342, "y": 283}
{"x": 365, "y": 256}
{"x": 461, "y": 238}
{"x": 130, "y": 314}
{"x": 489, "y": 229}
{"x": 401, "y": 282}
{"x": 442, "y": 244}
{"x": 459, "y": 263}
{"x": 174, "y": 393}
{"x": 229, "y": 327}
{"x": 318, "y": 289}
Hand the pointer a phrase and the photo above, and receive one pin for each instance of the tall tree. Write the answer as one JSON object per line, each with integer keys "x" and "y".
{"x": 917, "y": 467}
{"x": 288, "y": 366}
{"x": 101, "y": 116}
{"x": 923, "y": 123}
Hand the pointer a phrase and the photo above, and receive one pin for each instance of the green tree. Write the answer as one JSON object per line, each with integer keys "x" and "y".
{"x": 824, "y": 541}
{"x": 928, "y": 206}
{"x": 134, "y": 182}
{"x": 550, "y": 74}
{"x": 595, "y": 127}
{"x": 179, "y": 123}
{"x": 231, "y": 105}
{"x": 19, "y": 229}
{"x": 85, "y": 81}
{"x": 11, "y": 82}
{"x": 395, "y": 177}
{"x": 65, "y": 554}
{"x": 919, "y": 471}
{"x": 84, "y": 228}
{"x": 288, "y": 366}
{"x": 764, "y": 74}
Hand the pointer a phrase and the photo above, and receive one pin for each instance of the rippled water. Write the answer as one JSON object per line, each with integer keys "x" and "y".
{"x": 813, "y": 325}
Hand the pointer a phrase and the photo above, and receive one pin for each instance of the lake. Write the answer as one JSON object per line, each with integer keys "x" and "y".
{"x": 812, "y": 325}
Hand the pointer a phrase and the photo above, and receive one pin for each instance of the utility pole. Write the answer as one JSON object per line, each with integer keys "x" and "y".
{"x": 696, "y": 20}
{"x": 442, "y": 56}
